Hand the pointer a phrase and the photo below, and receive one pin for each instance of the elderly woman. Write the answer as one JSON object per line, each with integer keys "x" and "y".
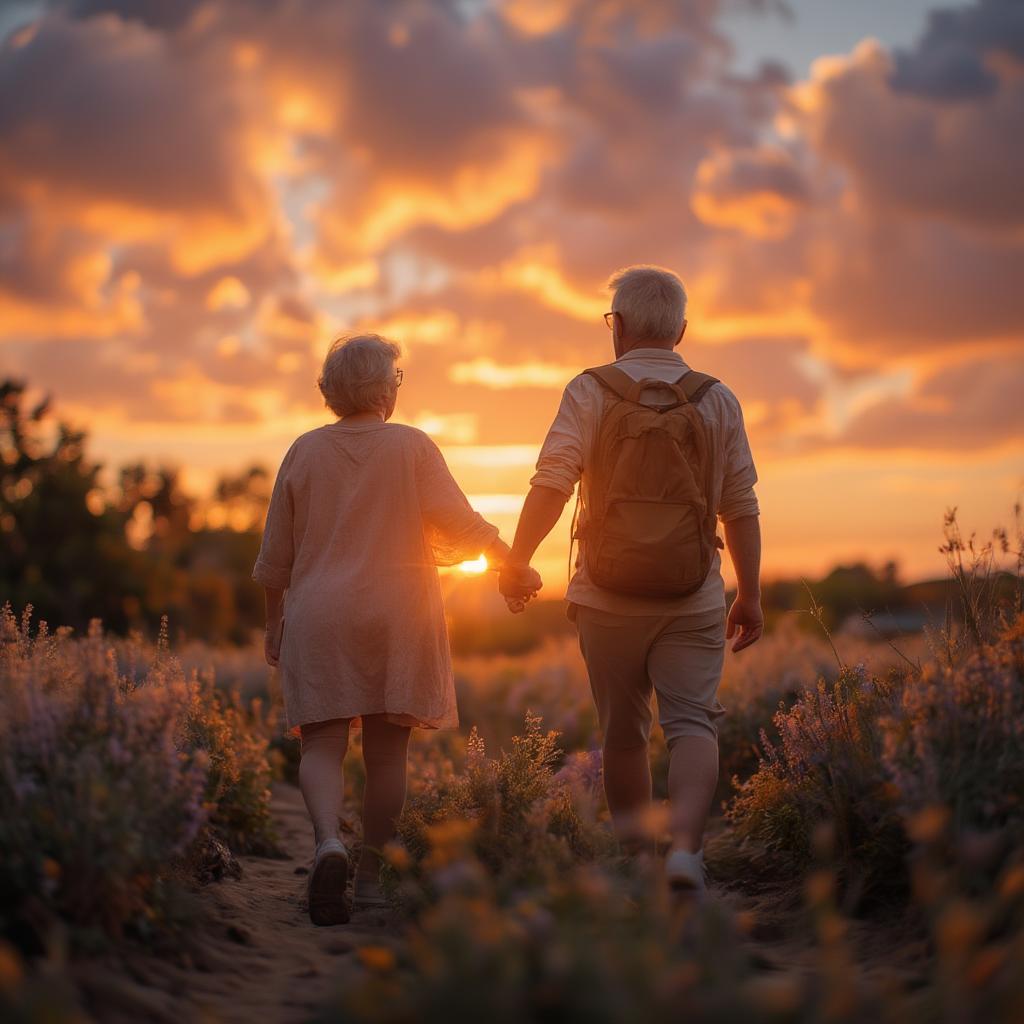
{"x": 361, "y": 513}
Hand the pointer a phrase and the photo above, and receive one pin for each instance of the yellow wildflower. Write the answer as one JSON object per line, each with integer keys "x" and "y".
{"x": 453, "y": 832}
{"x": 1013, "y": 882}
{"x": 928, "y": 825}
{"x": 985, "y": 965}
{"x": 397, "y": 856}
{"x": 10, "y": 968}
{"x": 774, "y": 994}
{"x": 745, "y": 921}
{"x": 820, "y": 886}
{"x": 377, "y": 958}
{"x": 959, "y": 928}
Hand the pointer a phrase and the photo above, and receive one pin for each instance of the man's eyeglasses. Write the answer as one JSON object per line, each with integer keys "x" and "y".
{"x": 399, "y": 374}
{"x": 609, "y": 319}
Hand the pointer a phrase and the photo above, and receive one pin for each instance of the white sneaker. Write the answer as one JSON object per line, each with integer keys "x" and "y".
{"x": 327, "y": 883}
{"x": 685, "y": 870}
{"x": 333, "y": 845}
{"x": 369, "y": 895}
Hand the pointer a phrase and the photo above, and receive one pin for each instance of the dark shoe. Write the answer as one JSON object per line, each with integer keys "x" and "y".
{"x": 327, "y": 883}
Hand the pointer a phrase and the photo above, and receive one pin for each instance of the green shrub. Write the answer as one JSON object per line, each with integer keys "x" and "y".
{"x": 828, "y": 767}
{"x": 869, "y": 754}
{"x": 238, "y": 772}
{"x": 512, "y": 815}
{"x": 956, "y": 738}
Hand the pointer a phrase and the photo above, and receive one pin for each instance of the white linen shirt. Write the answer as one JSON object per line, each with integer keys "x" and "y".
{"x": 565, "y": 456}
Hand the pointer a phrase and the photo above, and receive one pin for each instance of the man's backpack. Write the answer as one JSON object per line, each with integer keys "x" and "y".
{"x": 648, "y": 528}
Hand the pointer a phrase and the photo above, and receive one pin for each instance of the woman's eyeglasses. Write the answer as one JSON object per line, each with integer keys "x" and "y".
{"x": 399, "y": 374}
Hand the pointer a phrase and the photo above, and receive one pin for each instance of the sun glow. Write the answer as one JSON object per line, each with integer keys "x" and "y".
{"x": 474, "y": 567}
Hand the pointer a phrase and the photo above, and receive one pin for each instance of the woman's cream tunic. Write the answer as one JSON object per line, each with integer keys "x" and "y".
{"x": 359, "y": 517}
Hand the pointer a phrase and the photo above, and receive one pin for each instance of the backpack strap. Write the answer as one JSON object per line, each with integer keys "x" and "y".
{"x": 696, "y": 385}
{"x": 613, "y": 378}
{"x": 689, "y": 386}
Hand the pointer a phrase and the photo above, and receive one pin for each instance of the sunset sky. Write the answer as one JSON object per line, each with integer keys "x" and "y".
{"x": 196, "y": 197}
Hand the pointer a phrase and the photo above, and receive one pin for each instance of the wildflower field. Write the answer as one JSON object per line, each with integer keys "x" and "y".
{"x": 866, "y": 854}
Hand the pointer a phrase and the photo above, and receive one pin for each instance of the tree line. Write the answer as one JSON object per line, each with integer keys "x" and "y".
{"x": 75, "y": 549}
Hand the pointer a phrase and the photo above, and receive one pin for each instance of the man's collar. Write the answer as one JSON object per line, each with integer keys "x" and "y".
{"x": 652, "y": 353}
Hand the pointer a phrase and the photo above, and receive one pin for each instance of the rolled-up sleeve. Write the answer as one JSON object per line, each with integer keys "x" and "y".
{"x": 273, "y": 566}
{"x": 738, "y": 497}
{"x": 560, "y": 462}
{"x": 454, "y": 530}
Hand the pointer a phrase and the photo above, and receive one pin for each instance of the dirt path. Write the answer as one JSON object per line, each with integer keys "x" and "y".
{"x": 255, "y": 956}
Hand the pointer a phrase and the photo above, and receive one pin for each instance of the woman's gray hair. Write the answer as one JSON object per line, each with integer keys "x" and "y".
{"x": 651, "y": 300}
{"x": 358, "y": 373}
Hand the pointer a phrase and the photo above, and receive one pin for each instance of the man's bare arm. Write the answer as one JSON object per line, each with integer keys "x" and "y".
{"x": 743, "y": 539}
{"x": 541, "y": 511}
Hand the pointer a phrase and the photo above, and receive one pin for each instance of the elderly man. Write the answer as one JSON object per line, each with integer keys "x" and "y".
{"x": 655, "y": 618}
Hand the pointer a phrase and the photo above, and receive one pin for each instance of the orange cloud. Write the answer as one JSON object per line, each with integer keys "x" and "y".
{"x": 141, "y": 142}
{"x": 758, "y": 192}
{"x": 537, "y": 273}
{"x": 390, "y": 203}
{"x": 432, "y": 327}
{"x": 56, "y": 282}
{"x": 966, "y": 406}
{"x": 227, "y": 293}
{"x": 490, "y": 374}
{"x": 451, "y": 428}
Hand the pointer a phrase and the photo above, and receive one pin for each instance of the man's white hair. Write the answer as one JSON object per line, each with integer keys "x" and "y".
{"x": 651, "y": 301}
{"x": 358, "y": 373}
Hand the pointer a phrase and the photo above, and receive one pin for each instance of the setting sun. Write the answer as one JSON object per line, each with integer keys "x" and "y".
{"x": 474, "y": 567}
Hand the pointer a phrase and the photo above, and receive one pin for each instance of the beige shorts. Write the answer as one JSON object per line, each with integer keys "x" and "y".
{"x": 628, "y": 656}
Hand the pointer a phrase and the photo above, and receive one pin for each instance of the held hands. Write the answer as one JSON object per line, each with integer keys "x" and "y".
{"x": 746, "y": 616}
{"x": 518, "y": 584}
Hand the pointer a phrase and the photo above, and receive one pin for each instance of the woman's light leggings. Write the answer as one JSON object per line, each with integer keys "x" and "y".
{"x": 385, "y": 752}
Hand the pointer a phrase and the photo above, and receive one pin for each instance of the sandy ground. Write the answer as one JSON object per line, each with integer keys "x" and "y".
{"x": 254, "y": 956}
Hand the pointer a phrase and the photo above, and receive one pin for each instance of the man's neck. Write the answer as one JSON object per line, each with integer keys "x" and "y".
{"x": 665, "y": 346}
{"x": 649, "y": 351}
